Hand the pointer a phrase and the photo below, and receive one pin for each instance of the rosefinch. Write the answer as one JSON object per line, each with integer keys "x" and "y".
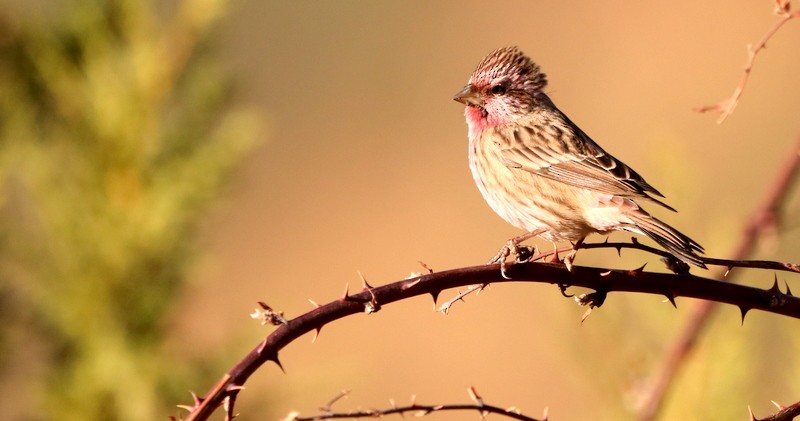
{"x": 542, "y": 173}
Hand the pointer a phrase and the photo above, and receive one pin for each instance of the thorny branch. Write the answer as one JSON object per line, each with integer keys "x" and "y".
{"x": 372, "y": 299}
{"x": 418, "y": 410}
{"x": 727, "y": 105}
{"x": 765, "y": 218}
{"x": 635, "y": 245}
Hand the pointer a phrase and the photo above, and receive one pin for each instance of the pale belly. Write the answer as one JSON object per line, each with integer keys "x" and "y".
{"x": 531, "y": 202}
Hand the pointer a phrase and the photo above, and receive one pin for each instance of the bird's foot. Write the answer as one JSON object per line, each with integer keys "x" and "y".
{"x": 571, "y": 256}
{"x": 521, "y": 254}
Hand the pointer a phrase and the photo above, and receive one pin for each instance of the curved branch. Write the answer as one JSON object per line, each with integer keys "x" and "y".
{"x": 418, "y": 410}
{"x": 603, "y": 280}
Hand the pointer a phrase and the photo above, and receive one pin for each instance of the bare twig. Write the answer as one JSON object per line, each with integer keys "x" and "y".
{"x": 445, "y": 307}
{"x": 420, "y": 410}
{"x": 711, "y": 261}
{"x": 765, "y": 217}
{"x": 727, "y": 105}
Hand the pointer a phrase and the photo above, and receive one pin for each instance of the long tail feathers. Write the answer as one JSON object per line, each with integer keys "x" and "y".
{"x": 681, "y": 246}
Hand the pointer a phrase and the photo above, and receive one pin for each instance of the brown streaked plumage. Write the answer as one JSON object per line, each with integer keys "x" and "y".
{"x": 539, "y": 171}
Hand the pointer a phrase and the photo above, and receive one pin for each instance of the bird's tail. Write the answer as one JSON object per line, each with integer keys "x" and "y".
{"x": 678, "y": 244}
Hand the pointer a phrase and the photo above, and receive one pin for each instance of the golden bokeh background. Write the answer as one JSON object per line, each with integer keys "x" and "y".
{"x": 363, "y": 167}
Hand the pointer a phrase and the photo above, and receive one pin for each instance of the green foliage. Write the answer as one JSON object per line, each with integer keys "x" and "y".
{"x": 116, "y": 130}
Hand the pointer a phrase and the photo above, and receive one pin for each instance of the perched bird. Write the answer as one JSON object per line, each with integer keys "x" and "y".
{"x": 542, "y": 173}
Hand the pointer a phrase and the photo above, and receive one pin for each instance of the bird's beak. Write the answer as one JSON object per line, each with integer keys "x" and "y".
{"x": 468, "y": 96}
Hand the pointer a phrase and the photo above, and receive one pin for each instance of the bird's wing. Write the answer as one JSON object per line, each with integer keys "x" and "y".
{"x": 557, "y": 149}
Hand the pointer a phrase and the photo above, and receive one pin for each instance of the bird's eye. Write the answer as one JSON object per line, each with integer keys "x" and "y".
{"x": 498, "y": 89}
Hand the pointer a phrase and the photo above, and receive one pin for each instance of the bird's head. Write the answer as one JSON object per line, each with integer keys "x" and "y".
{"x": 502, "y": 88}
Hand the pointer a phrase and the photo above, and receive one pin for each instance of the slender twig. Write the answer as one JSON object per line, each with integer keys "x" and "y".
{"x": 727, "y": 105}
{"x": 445, "y": 307}
{"x": 418, "y": 410}
{"x": 764, "y": 217}
{"x": 711, "y": 261}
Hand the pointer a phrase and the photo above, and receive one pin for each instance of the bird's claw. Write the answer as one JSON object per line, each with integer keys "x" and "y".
{"x": 521, "y": 254}
{"x": 569, "y": 259}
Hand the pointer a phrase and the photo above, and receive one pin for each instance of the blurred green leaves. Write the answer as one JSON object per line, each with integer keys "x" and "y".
{"x": 117, "y": 128}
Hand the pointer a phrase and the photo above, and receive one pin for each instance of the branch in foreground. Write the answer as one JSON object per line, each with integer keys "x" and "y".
{"x": 418, "y": 410}
{"x": 727, "y": 105}
{"x": 602, "y": 280}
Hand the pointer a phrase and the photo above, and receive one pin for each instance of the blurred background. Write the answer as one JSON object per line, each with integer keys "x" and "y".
{"x": 166, "y": 164}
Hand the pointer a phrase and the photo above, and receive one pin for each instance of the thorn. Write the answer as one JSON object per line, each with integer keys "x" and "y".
{"x": 727, "y": 271}
{"x": 671, "y": 298}
{"x": 775, "y": 287}
{"x": 424, "y": 266}
{"x": 752, "y": 417}
{"x": 227, "y": 405}
{"x": 234, "y": 388}
{"x": 261, "y": 346}
{"x": 788, "y": 291}
{"x": 586, "y": 314}
{"x": 606, "y": 273}
{"x": 779, "y": 406}
{"x": 413, "y": 400}
{"x": 473, "y": 394}
{"x": 196, "y": 401}
{"x": 435, "y": 295}
{"x": 317, "y": 331}
{"x": 346, "y": 295}
{"x": 637, "y": 271}
{"x": 364, "y": 282}
{"x": 619, "y": 250}
{"x": 744, "y": 311}
{"x": 292, "y": 416}
{"x": 546, "y": 412}
{"x": 314, "y": 303}
{"x": 411, "y": 284}
{"x": 342, "y": 394}
{"x": 274, "y": 358}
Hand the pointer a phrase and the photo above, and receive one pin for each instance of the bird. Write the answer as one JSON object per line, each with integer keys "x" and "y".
{"x": 541, "y": 173}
